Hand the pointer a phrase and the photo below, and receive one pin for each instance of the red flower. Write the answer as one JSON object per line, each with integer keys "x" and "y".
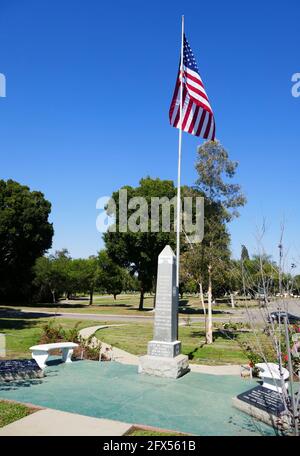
{"x": 286, "y": 358}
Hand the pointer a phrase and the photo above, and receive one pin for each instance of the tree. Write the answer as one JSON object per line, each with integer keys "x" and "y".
{"x": 112, "y": 277}
{"x": 233, "y": 279}
{"x": 296, "y": 285}
{"x": 192, "y": 270}
{"x": 85, "y": 275}
{"x": 60, "y": 274}
{"x": 44, "y": 280}
{"x": 130, "y": 282}
{"x": 196, "y": 259}
{"x": 261, "y": 276}
{"x": 52, "y": 276}
{"x": 25, "y": 235}
{"x": 223, "y": 198}
{"x": 138, "y": 251}
{"x": 244, "y": 253}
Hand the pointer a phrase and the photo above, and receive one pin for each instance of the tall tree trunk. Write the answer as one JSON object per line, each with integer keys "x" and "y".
{"x": 209, "y": 330}
{"x": 243, "y": 278}
{"x": 204, "y": 309}
{"x": 91, "y": 297}
{"x": 154, "y": 288}
{"x": 232, "y": 300}
{"x": 115, "y": 297}
{"x": 141, "y": 305}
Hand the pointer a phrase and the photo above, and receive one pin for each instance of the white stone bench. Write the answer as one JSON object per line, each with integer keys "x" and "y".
{"x": 41, "y": 352}
{"x": 270, "y": 374}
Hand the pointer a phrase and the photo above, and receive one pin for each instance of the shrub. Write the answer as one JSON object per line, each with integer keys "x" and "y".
{"x": 235, "y": 326}
{"x": 52, "y": 332}
{"x": 72, "y": 334}
{"x": 88, "y": 348}
{"x": 258, "y": 347}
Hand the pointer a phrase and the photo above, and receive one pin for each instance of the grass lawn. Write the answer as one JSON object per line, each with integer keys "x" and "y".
{"x": 133, "y": 337}
{"x": 147, "y": 432}
{"x": 124, "y": 305}
{"x": 22, "y": 333}
{"x": 10, "y": 412}
{"x": 127, "y": 304}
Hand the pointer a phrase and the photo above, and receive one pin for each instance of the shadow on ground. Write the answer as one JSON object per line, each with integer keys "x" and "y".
{"x": 193, "y": 311}
{"x": 224, "y": 334}
{"x": 16, "y": 384}
{"x": 6, "y": 312}
{"x": 77, "y": 306}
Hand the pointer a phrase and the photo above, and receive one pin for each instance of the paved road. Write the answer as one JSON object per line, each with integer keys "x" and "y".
{"x": 255, "y": 315}
{"x": 127, "y": 318}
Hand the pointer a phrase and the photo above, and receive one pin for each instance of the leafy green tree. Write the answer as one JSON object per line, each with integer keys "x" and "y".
{"x": 233, "y": 279}
{"x": 44, "y": 281}
{"x": 52, "y": 276}
{"x": 262, "y": 276}
{"x": 193, "y": 272}
{"x": 244, "y": 257}
{"x": 130, "y": 282}
{"x": 25, "y": 235}
{"x": 112, "y": 277}
{"x": 296, "y": 285}
{"x": 85, "y": 276}
{"x": 244, "y": 253}
{"x": 195, "y": 260}
{"x": 138, "y": 251}
{"x": 223, "y": 199}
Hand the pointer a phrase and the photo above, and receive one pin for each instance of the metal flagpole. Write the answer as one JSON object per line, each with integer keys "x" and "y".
{"x": 178, "y": 219}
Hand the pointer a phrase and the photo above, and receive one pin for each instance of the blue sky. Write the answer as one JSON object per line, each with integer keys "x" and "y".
{"x": 89, "y": 85}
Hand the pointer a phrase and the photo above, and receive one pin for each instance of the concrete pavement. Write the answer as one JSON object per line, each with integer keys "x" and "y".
{"x": 49, "y": 422}
{"x": 230, "y": 369}
{"x": 121, "y": 356}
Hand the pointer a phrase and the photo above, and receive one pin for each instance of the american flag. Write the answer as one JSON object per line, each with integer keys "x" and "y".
{"x": 197, "y": 115}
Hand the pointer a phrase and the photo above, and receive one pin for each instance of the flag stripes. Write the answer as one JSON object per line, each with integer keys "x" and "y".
{"x": 197, "y": 114}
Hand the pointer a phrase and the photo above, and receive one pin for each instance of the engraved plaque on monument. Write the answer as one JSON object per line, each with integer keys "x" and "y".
{"x": 163, "y": 357}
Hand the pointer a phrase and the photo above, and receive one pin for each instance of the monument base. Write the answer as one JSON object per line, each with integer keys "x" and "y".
{"x": 164, "y": 349}
{"x": 161, "y": 366}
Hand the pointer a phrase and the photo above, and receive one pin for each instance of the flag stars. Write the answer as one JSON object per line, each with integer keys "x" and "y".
{"x": 188, "y": 57}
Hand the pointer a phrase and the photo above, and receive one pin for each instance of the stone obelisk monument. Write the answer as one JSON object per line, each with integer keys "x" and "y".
{"x": 163, "y": 358}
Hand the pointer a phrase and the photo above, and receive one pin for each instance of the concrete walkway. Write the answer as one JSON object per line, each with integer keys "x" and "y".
{"x": 49, "y": 422}
{"x": 228, "y": 369}
{"x": 119, "y": 355}
{"x": 125, "y": 357}
{"x": 90, "y": 330}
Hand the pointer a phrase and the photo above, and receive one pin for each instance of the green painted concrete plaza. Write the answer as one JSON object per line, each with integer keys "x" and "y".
{"x": 199, "y": 404}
